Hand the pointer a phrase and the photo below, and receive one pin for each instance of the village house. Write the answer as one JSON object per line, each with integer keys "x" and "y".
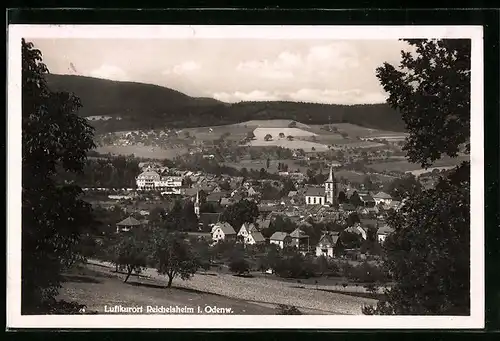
{"x": 366, "y": 199}
{"x": 382, "y": 198}
{"x": 151, "y": 180}
{"x": 250, "y": 234}
{"x": 358, "y": 229}
{"x": 281, "y": 239}
{"x": 223, "y": 231}
{"x": 327, "y": 244}
{"x": 382, "y": 233}
{"x": 299, "y": 239}
{"x": 263, "y": 223}
{"x": 127, "y": 224}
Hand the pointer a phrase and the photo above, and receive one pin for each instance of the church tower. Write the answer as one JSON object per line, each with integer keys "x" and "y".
{"x": 331, "y": 188}
{"x": 197, "y": 204}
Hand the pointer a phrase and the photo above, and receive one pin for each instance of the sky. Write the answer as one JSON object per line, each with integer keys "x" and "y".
{"x": 233, "y": 70}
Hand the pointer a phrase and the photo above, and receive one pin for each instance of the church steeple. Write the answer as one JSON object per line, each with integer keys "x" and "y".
{"x": 330, "y": 188}
{"x": 197, "y": 204}
{"x": 330, "y": 176}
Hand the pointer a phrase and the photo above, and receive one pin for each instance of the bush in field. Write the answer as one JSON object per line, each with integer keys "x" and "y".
{"x": 173, "y": 255}
{"x": 239, "y": 265}
{"x": 284, "y": 309}
{"x": 130, "y": 252}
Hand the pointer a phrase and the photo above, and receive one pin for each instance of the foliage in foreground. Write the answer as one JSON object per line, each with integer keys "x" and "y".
{"x": 428, "y": 255}
{"x": 53, "y": 138}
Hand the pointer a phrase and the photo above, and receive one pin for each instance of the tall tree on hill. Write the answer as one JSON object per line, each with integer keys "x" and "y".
{"x": 428, "y": 254}
{"x": 53, "y": 138}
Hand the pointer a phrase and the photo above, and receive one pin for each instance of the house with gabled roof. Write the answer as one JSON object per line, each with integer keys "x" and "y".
{"x": 127, "y": 224}
{"x": 246, "y": 229}
{"x": 249, "y": 234}
{"x": 223, "y": 231}
{"x": 382, "y": 197}
{"x": 328, "y": 244}
{"x": 263, "y": 223}
{"x": 282, "y": 239}
{"x": 300, "y": 239}
{"x": 382, "y": 233}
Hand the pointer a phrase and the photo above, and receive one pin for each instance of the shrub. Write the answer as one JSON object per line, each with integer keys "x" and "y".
{"x": 284, "y": 309}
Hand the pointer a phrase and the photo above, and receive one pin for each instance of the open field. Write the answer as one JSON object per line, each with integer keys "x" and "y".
{"x": 307, "y": 146}
{"x": 142, "y": 151}
{"x": 97, "y": 287}
{"x": 421, "y": 171}
{"x": 355, "y": 130}
{"x": 405, "y": 166}
{"x": 359, "y": 177}
{"x": 264, "y": 291}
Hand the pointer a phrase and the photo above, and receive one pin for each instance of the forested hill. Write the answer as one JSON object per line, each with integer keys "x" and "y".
{"x": 146, "y": 106}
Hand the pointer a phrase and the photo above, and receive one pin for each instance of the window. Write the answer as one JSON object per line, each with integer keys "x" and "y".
{"x": 314, "y": 200}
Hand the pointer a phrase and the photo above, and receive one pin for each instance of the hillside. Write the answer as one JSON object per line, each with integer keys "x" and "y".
{"x": 146, "y": 106}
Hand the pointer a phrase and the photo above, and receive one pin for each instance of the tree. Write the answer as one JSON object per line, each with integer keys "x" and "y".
{"x": 342, "y": 198}
{"x": 244, "y": 211}
{"x": 250, "y": 135}
{"x": 431, "y": 90}
{"x": 282, "y": 135}
{"x": 54, "y": 140}
{"x": 355, "y": 200}
{"x": 289, "y": 138}
{"x": 267, "y": 163}
{"x": 428, "y": 253}
{"x": 186, "y": 181}
{"x": 292, "y": 124}
{"x": 344, "y": 135}
{"x": 225, "y": 185}
{"x": 130, "y": 252}
{"x": 157, "y": 216}
{"x": 173, "y": 256}
{"x": 352, "y": 219}
{"x": 238, "y": 264}
{"x": 313, "y": 149}
{"x": 268, "y": 137}
{"x": 401, "y": 188}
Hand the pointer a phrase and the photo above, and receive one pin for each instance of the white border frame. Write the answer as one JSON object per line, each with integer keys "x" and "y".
{"x": 16, "y": 320}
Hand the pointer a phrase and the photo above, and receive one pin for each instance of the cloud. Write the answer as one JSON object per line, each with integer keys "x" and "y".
{"x": 281, "y": 68}
{"x": 111, "y": 72}
{"x": 318, "y": 60}
{"x": 326, "y": 96}
{"x": 338, "y": 55}
{"x": 183, "y": 68}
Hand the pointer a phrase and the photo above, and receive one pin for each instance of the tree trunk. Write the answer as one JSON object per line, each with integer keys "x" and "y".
{"x": 170, "y": 279}
{"x": 128, "y": 274}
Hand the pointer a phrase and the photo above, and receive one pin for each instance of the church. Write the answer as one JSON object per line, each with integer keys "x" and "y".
{"x": 323, "y": 196}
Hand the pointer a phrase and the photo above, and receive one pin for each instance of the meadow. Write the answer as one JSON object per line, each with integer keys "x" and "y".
{"x": 406, "y": 166}
{"x": 142, "y": 151}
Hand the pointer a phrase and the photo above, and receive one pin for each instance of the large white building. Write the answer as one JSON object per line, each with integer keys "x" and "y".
{"x": 151, "y": 180}
{"x": 323, "y": 196}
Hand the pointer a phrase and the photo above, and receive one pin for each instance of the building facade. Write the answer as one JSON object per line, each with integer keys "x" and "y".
{"x": 323, "y": 196}
{"x": 150, "y": 180}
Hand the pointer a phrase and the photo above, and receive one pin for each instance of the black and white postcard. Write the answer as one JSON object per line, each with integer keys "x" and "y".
{"x": 226, "y": 176}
